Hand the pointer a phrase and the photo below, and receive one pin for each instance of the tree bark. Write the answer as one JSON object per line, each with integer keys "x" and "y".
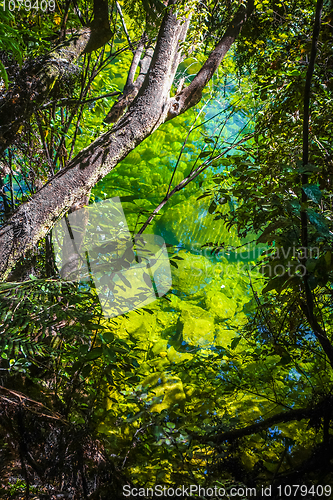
{"x": 132, "y": 87}
{"x": 192, "y": 94}
{"x": 148, "y": 111}
{"x": 100, "y": 27}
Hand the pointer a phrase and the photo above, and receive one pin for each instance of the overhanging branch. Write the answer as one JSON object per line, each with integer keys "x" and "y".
{"x": 33, "y": 220}
{"x": 132, "y": 87}
{"x": 192, "y": 94}
{"x": 279, "y": 418}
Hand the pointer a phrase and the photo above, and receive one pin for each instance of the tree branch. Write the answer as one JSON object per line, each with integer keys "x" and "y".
{"x": 146, "y": 113}
{"x": 306, "y": 115}
{"x": 308, "y": 306}
{"x": 189, "y": 178}
{"x": 100, "y": 27}
{"x": 192, "y": 94}
{"x": 283, "y": 417}
{"x": 131, "y": 88}
{"x": 68, "y": 101}
{"x": 124, "y": 26}
{"x": 35, "y": 218}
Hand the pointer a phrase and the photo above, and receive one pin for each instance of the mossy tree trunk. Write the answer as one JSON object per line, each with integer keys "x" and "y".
{"x": 151, "y": 107}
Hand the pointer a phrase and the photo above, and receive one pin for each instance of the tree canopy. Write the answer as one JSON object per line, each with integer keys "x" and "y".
{"x": 211, "y": 121}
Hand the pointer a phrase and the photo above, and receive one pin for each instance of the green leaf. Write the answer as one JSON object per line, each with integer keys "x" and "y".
{"x": 86, "y": 371}
{"x": 108, "y": 337}
{"x": 204, "y": 154}
{"x": 275, "y": 284}
{"x": 319, "y": 222}
{"x": 212, "y": 207}
{"x": 235, "y": 342}
{"x": 94, "y": 353}
{"x": 313, "y": 192}
{"x": 129, "y": 255}
{"x": 271, "y": 230}
{"x": 204, "y": 195}
{"x": 309, "y": 168}
{"x": 3, "y": 74}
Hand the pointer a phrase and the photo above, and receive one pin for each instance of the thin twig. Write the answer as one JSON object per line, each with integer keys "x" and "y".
{"x": 187, "y": 180}
{"x": 124, "y": 26}
{"x": 42, "y": 136}
{"x": 66, "y": 100}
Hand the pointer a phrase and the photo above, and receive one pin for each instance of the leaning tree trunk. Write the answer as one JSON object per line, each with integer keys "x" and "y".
{"x": 150, "y": 108}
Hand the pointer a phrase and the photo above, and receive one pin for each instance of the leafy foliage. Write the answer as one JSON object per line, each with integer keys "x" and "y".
{"x": 227, "y": 380}
{"x": 10, "y": 42}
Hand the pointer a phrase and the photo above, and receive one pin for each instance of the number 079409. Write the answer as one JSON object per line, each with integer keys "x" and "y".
{"x": 27, "y": 5}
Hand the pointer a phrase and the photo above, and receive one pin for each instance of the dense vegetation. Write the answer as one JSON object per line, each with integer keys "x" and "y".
{"x": 225, "y": 382}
